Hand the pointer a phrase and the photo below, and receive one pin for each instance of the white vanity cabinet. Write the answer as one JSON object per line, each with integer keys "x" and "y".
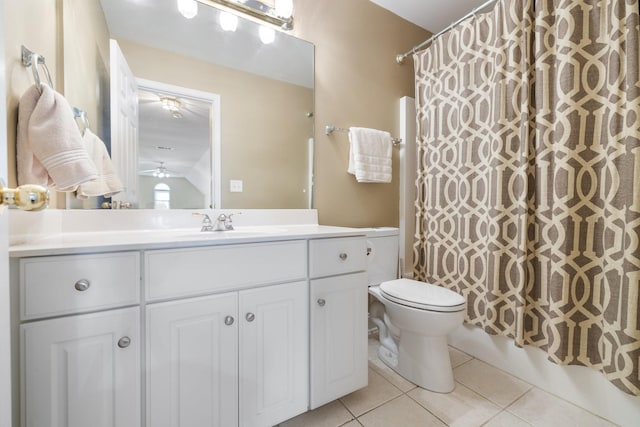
{"x": 81, "y": 369}
{"x": 187, "y": 334}
{"x": 338, "y": 323}
{"x": 231, "y": 358}
{"x": 192, "y": 362}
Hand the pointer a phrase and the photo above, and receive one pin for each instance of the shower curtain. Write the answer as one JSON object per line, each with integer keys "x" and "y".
{"x": 529, "y": 177}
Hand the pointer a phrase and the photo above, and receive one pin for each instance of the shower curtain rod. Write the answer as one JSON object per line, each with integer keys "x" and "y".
{"x": 400, "y": 58}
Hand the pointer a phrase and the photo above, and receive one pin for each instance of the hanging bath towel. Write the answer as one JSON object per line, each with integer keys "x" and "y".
{"x": 370, "y": 155}
{"x": 50, "y": 150}
{"x": 107, "y": 183}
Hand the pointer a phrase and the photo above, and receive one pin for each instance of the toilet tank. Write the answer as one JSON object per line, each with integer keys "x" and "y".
{"x": 382, "y": 254}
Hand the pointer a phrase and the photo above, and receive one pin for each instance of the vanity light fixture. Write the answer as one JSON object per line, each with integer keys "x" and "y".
{"x": 188, "y": 8}
{"x": 228, "y": 21}
{"x": 284, "y": 8}
{"x": 278, "y": 13}
{"x": 267, "y": 34}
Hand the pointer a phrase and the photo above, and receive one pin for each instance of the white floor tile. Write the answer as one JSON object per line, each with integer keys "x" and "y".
{"x": 457, "y": 357}
{"x": 492, "y": 383}
{"x": 375, "y": 394}
{"x": 460, "y": 408}
{"x": 332, "y": 414}
{"x": 402, "y": 411}
{"x": 543, "y": 409}
{"x": 505, "y": 419}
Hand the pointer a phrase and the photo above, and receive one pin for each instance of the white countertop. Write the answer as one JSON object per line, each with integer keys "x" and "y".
{"x": 61, "y": 232}
{"x": 107, "y": 241}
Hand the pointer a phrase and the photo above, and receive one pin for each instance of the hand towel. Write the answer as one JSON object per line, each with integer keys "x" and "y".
{"x": 370, "y": 155}
{"x": 50, "y": 150}
{"x": 107, "y": 183}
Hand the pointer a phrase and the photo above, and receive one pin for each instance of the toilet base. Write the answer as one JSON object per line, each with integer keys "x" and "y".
{"x": 422, "y": 360}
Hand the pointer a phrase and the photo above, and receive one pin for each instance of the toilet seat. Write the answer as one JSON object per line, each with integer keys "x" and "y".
{"x": 421, "y": 295}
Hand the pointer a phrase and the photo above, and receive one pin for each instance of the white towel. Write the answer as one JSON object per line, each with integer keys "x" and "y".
{"x": 50, "y": 150}
{"x": 107, "y": 183}
{"x": 370, "y": 155}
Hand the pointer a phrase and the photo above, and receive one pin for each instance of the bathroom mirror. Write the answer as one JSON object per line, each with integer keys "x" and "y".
{"x": 258, "y": 147}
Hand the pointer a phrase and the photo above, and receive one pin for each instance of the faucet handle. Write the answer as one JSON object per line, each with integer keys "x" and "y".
{"x": 228, "y": 222}
{"x": 207, "y": 224}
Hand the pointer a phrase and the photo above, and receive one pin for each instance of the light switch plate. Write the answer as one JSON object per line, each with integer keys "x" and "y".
{"x": 235, "y": 186}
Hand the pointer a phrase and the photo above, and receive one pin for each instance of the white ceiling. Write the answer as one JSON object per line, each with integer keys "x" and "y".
{"x": 432, "y": 15}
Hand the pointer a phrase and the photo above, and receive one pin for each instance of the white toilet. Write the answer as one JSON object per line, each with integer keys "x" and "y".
{"x": 413, "y": 318}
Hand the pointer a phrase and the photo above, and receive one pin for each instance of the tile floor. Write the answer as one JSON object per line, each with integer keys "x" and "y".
{"x": 484, "y": 396}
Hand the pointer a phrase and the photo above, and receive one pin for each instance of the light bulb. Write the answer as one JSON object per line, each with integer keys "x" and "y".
{"x": 284, "y": 8}
{"x": 188, "y": 8}
{"x": 267, "y": 35}
{"x": 228, "y": 21}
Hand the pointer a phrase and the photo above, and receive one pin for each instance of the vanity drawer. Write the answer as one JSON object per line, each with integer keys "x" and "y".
{"x": 55, "y": 285}
{"x": 172, "y": 273}
{"x": 328, "y": 257}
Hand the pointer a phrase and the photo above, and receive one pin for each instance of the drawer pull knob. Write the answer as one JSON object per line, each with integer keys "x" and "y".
{"x": 82, "y": 285}
{"x": 250, "y": 317}
{"x": 229, "y": 320}
{"x": 321, "y": 302}
{"x": 124, "y": 342}
{"x": 343, "y": 256}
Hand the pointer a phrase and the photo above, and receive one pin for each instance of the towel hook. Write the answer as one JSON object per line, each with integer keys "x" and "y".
{"x": 32, "y": 59}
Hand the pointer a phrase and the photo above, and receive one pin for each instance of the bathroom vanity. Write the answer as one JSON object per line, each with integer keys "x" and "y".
{"x": 175, "y": 327}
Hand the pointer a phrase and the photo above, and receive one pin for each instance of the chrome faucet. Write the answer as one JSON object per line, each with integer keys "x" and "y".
{"x": 224, "y": 222}
{"x": 207, "y": 224}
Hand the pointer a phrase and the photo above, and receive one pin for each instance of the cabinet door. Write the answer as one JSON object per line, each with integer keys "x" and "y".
{"x": 82, "y": 370}
{"x": 274, "y": 354}
{"x": 192, "y": 362}
{"x": 338, "y": 337}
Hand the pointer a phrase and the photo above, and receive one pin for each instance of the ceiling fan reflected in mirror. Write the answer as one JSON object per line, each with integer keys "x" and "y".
{"x": 161, "y": 172}
{"x": 158, "y": 105}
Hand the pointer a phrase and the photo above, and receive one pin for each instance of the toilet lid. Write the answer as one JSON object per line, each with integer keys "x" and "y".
{"x": 422, "y": 295}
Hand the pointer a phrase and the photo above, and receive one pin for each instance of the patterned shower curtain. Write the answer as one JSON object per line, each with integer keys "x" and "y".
{"x": 529, "y": 177}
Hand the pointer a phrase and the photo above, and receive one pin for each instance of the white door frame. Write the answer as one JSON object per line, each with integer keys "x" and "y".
{"x": 214, "y": 127}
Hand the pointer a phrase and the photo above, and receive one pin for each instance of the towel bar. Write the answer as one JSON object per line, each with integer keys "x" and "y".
{"x": 329, "y": 129}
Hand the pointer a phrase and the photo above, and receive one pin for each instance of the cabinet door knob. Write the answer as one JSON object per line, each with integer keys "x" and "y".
{"x": 250, "y": 317}
{"x": 82, "y": 285}
{"x": 321, "y": 302}
{"x": 229, "y": 320}
{"x": 124, "y": 342}
{"x": 343, "y": 256}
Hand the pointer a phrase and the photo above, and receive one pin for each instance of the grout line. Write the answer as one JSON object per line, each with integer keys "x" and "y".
{"x": 353, "y": 416}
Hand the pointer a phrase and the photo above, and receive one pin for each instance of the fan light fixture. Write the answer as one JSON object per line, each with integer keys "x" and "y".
{"x": 172, "y": 105}
{"x": 161, "y": 172}
{"x": 188, "y": 8}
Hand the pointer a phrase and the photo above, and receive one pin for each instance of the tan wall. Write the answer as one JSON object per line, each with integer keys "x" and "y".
{"x": 357, "y": 83}
{"x": 86, "y": 60}
{"x": 32, "y": 23}
{"x": 264, "y": 127}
